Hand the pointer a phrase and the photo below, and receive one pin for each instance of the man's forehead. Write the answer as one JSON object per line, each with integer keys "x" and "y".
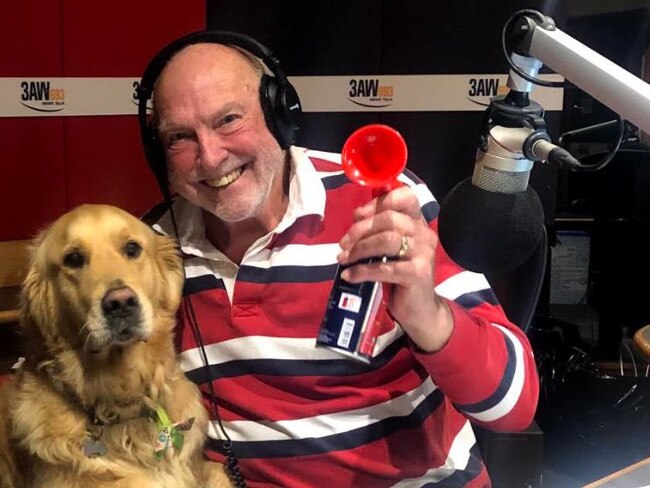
{"x": 197, "y": 74}
{"x": 206, "y": 57}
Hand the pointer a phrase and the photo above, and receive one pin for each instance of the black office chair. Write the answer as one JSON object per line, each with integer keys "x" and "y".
{"x": 518, "y": 291}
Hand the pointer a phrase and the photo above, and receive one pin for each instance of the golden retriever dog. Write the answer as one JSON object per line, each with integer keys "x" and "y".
{"x": 100, "y": 400}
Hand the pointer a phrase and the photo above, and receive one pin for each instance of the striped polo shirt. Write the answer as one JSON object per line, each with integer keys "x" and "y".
{"x": 301, "y": 416}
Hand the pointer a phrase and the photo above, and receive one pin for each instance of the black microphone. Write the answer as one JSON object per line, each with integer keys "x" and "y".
{"x": 493, "y": 222}
{"x": 486, "y": 231}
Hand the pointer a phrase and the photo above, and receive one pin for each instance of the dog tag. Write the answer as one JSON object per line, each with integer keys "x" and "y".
{"x": 94, "y": 448}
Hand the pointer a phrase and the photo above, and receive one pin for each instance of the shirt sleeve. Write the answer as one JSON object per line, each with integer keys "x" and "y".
{"x": 487, "y": 368}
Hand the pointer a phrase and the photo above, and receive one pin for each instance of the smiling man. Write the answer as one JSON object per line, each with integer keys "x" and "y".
{"x": 263, "y": 226}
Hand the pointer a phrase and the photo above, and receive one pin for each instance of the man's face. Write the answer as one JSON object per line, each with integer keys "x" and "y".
{"x": 220, "y": 153}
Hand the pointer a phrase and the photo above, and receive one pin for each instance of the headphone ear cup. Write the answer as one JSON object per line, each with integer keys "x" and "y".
{"x": 290, "y": 107}
{"x": 268, "y": 96}
{"x": 279, "y": 104}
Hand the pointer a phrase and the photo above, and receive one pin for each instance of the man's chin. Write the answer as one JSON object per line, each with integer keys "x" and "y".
{"x": 231, "y": 213}
{"x": 232, "y": 208}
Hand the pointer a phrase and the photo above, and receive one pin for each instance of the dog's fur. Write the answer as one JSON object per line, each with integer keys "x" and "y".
{"x": 85, "y": 359}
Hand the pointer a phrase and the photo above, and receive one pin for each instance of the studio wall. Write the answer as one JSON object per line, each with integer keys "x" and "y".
{"x": 51, "y": 164}
{"x": 392, "y": 37}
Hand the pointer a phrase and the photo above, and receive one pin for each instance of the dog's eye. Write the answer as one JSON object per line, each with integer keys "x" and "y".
{"x": 132, "y": 249}
{"x": 74, "y": 259}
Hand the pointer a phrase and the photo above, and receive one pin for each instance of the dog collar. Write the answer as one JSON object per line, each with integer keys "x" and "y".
{"x": 93, "y": 445}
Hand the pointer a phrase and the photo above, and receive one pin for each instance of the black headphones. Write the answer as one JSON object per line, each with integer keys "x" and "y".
{"x": 278, "y": 98}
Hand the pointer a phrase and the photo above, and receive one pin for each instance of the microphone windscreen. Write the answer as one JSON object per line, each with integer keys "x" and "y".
{"x": 490, "y": 232}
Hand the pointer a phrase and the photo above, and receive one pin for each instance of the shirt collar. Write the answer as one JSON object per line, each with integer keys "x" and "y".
{"x": 306, "y": 197}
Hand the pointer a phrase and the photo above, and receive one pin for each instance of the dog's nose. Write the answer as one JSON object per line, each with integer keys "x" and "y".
{"x": 120, "y": 302}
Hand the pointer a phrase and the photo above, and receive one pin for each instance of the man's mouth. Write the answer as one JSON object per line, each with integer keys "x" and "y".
{"x": 226, "y": 179}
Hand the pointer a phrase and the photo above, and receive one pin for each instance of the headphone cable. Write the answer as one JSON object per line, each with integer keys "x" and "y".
{"x": 232, "y": 464}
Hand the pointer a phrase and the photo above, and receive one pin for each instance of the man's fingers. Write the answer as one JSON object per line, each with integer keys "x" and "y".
{"x": 391, "y": 271}
{"x": 386, "y": 221}
{"x": 401, "y": 200}
{"x": 386, "y": 243}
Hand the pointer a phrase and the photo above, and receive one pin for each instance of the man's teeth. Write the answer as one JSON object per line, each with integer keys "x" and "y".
{"x": 225, "y": 180}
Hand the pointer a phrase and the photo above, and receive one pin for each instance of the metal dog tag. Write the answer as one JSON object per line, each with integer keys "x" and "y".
{"x": 94, "y": 448}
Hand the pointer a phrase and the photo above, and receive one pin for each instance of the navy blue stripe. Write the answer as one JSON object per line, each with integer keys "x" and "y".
{"x": 411, "y": 175}
{"x": 336, "y": 442}
{"x": 201, "y": 283}
{"x": 475, "y": 298}
{"x": 462, "y": 477}
{"x": 504, "y": 384}
{"x": 430, "y": 211}
{"x": 294, "y": 367}
{"x": 287, "y": 274}
{"x": 334, "y": 181}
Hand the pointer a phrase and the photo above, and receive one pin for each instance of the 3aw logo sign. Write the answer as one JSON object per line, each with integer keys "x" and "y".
{"x": 480, "y": 90}
{"x": 41, "y": 96}
{"x": 135, "y": 96}
{"x": 367, "y": 92}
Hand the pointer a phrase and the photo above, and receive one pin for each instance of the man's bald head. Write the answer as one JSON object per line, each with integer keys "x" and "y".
{"x": 210, "y": 58}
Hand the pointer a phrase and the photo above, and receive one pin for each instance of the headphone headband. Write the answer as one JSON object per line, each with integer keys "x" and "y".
{"x": 160, "y": 60}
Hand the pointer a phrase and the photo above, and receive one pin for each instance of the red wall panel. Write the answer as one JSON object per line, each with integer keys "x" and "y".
{"x": 52, "y": 164}
{"x": 30, "y": 38}
{"x": 105, "y": 164}
{"x": 103, "y": 154}
{"x": 32, "y": 181}
{"x": 117, "y": 38}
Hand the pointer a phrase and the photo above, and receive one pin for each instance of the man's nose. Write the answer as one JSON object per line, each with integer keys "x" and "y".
{"x": 212, "y": 150}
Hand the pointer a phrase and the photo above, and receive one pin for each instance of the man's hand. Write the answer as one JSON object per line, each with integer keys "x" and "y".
{"x": 378, "y": 230}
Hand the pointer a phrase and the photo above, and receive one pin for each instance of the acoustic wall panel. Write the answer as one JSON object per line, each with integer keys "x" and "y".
{"x": 32, "y": 183}
{"x": 104, "y": 158}
{"x": 53, "y": 163}
{"x": 312, "y": 39}
{"x": 367, "y": 39}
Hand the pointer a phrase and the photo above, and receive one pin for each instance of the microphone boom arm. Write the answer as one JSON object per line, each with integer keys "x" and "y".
{"x": 535, "y": 39}
{"x": 610, "y": 84}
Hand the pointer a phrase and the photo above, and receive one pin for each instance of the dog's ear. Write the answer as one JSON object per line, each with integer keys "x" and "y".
{"x": 170, "y": 265}
{"x": 38, "y": 308}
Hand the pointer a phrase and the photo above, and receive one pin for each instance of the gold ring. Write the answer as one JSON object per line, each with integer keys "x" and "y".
{"x": 403, "y": 248}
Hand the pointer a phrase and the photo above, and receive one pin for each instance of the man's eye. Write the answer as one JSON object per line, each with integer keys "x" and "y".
{"x": 229, "y": 119}
{"x": 177, "y": 137}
